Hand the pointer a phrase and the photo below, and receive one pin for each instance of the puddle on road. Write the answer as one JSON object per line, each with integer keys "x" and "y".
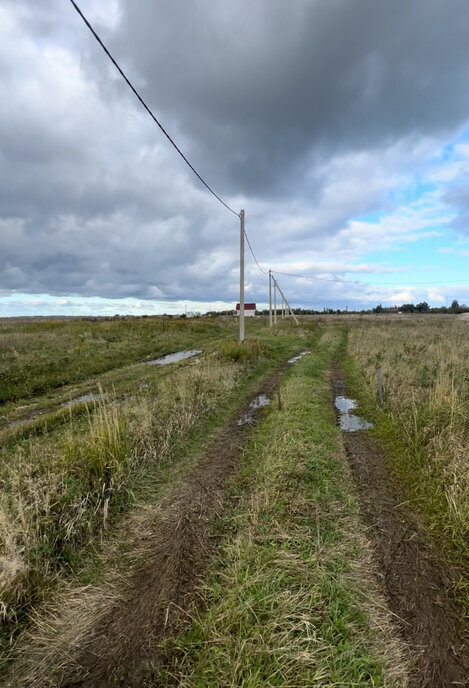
{"x": 258, "y": 402}
{"x": 298, "y": 357}
{"x": 85, "y": 398}
{"x": 174, "y": 358}
{"x": 20, "y": 422}
{"x": 349, "y": 422}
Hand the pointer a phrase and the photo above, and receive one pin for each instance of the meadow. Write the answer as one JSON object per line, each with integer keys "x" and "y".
{"x": 39, "y": 355}
{"x": 291, "y": 593}
{"x": 69, "y": 472}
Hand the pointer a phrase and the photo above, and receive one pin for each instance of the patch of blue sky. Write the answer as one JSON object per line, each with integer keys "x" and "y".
{"x": 411, "y": 193}
{"x": 446, "y": 153}
{"x": 430, "y": 259}
{"x": 371, "y": 218}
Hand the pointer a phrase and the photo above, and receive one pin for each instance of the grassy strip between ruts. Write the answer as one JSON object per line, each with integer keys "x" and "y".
{"x": 291, "y": 599}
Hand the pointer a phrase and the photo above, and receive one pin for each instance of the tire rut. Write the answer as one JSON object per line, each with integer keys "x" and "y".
{"x": 123, "y": 649}
{"x": 419, "y": 585}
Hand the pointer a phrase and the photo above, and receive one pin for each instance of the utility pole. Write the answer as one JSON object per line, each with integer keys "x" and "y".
{"x": 241, "y": 277}
{"x": 270, "y": 298}
{"x": 286, "y": 302}
{"x": 275, "y": 301}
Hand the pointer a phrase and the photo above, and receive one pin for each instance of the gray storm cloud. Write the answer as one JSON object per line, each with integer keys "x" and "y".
{"x": 302, "y": 112}
{"x": 263, "y": 88}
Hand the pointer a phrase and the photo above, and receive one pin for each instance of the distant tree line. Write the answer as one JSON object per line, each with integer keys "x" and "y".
{"x": 423, "y": 307}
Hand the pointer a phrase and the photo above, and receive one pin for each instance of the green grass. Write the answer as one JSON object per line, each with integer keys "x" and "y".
{"x": 290, "y": 599}
{"x": 36, "y": 356}
{"x": 66, "y": 489}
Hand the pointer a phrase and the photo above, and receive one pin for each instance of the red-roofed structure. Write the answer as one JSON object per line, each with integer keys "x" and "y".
{"x": 249, "y": 309}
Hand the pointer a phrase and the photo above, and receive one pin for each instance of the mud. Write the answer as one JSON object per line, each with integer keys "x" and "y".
{"x": 122, "y": 650}
{"x": 419, "y": 585}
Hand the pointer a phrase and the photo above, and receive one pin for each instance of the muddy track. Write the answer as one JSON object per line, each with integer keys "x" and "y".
{"x": 418, "y": 584}
{"x": 123, "y": 648}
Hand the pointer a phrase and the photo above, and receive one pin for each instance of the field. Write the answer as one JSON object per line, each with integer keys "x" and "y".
{"x": 207, "y": 523}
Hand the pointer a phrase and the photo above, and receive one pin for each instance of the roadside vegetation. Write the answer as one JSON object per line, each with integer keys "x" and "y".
{"x": 291, "y": 599}
{"x": 64, "y": 491}
{"x": 424, "y": 420}
{"x": 58, "y": 491}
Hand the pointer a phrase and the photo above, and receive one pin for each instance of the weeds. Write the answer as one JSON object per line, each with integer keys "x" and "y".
{"x": 248, "y": 352}
{"x": 57, "y": 493}
{"x": 425, "y": 419}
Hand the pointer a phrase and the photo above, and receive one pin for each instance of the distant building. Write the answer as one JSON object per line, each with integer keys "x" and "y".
{"x": 249, "y": 309}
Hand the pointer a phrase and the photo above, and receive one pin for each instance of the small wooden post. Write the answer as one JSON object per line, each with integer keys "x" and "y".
{"x": 380, "y": 385}
{"x": 277, "y": 385}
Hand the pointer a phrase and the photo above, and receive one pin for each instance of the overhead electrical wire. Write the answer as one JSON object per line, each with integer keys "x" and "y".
{"x": 147, "y": 108}
{"x": 371, "y": 284}
{"x": 137, "y": 94}
{"x": 254, "y": 255}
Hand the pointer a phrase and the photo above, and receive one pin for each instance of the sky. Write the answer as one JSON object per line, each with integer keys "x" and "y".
{"x": 340, "y": 126}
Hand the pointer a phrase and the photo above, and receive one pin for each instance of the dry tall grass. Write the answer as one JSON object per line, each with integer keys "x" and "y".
{"x": 424, "y": 362}
{"x": 57, "y": 492}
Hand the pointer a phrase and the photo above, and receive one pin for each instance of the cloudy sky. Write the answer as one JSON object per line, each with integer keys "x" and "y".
{"x": 340, "y": 126}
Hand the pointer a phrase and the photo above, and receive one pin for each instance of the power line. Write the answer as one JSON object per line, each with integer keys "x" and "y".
{"x": 253, "y": 254}
{"x": 391, "y": 284}
{"x": 137, "y": 94}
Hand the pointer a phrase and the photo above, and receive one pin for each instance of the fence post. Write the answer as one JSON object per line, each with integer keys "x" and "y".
{"x": 277, "y": 385}
{"x": 380, "y": 385}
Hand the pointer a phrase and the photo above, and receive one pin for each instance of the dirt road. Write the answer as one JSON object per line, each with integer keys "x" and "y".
{"x": 122, "y": 647}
